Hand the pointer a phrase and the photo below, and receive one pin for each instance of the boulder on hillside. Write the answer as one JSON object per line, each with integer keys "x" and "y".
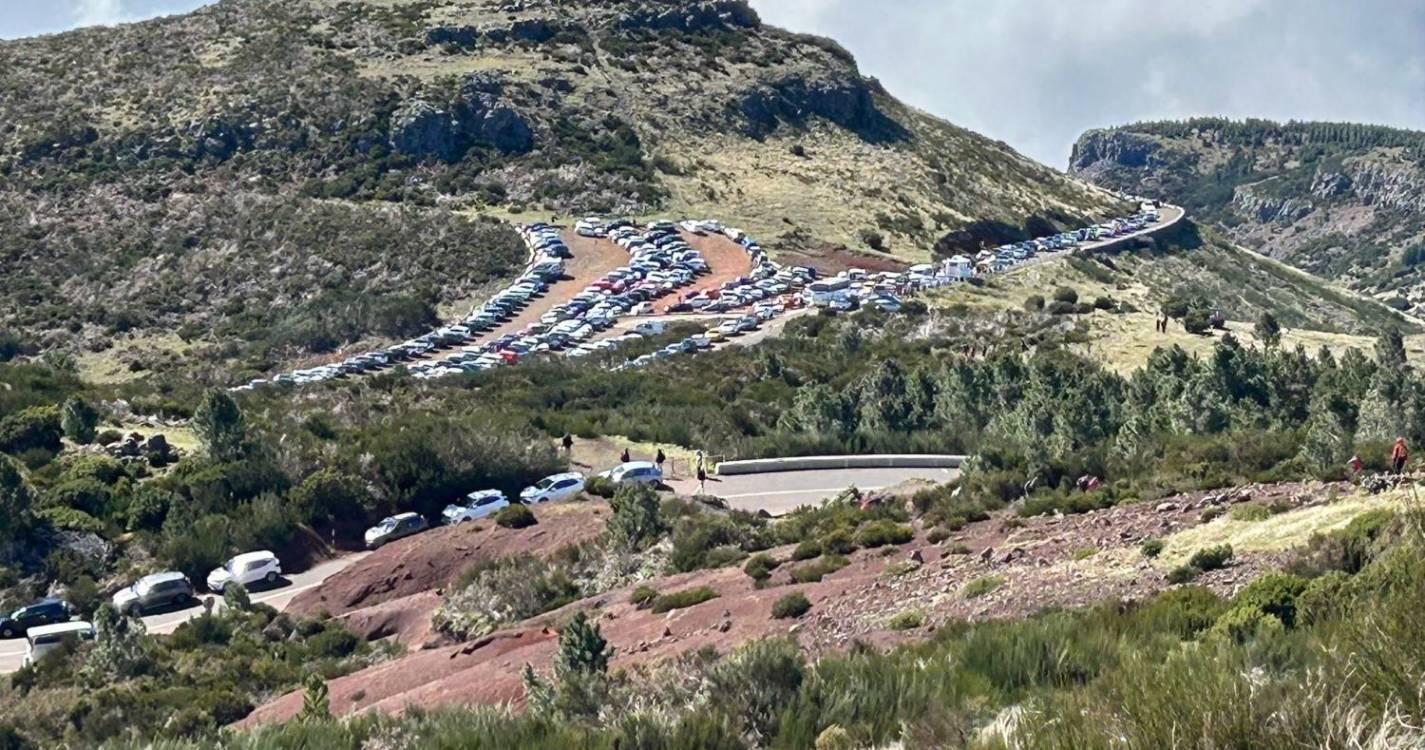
{"x": 479, "y": 115}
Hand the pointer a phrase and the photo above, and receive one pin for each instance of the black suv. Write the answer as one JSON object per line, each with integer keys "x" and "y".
{"x": 43, "y": 612}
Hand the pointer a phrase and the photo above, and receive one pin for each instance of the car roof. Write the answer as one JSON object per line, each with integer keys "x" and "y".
{"x": 485, "y": 493}
{"x": 631, "y": 465}
{"x": 251, "y": 556}
{"x": 565, "y": 475}
{"x": 60, "y": 627}
{"x": 164, "y": 577}
{"x": 404, "y": 516}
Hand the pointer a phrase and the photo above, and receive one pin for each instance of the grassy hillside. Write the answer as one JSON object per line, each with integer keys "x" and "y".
{"x": 253, "y": 171}
{"x": 1200, "y": 265}
{"x": 1343, "y": 201}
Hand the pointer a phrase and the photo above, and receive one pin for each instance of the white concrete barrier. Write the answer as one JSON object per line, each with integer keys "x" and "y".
{"x": 832, "y": 463}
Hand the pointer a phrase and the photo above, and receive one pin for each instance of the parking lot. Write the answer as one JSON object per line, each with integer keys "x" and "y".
{"x": 584, "y": 282}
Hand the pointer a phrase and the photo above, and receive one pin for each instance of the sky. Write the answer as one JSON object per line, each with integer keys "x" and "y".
{"x": 1037, "y": 73}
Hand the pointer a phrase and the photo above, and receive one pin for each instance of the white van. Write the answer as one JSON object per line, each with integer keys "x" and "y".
{"x": 650, "y": 328}
{"x": 47, "y": 638}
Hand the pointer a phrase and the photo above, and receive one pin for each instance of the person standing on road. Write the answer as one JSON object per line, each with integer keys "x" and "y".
{"x": 1399, "y": 455}
{"x": 624, "y": 457}
{"x": 659, "y": 459}
{"x": 568, "y": 442}
{"x": 702, "y": 480}
{"x": 698, "y": 459}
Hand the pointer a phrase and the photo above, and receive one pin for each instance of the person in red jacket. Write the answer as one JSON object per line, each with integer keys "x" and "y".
{"x": 1399, "y": 455}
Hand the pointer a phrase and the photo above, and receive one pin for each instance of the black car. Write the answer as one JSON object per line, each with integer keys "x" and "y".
{"x": 43, "y": 612}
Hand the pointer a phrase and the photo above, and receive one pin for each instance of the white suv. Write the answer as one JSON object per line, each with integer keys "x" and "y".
{"x": 477, "y": 505}
{"x": 247, "y": 569}
{"x": 553, "y": 488}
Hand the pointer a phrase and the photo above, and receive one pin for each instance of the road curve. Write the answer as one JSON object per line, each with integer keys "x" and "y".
{"x": 782, "y": 492}
{"x": 12, "y": 652}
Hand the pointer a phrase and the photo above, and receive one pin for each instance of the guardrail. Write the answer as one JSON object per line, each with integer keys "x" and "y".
{"x": 823, "y": 463}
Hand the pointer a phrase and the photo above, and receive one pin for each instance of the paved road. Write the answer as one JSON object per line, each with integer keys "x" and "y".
{"x": 783, "y": 492}
{"x": 12, "y": 653}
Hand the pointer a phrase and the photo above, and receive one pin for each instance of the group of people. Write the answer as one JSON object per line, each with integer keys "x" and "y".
{"x": 1399, "y": 457}
{"x": 659, "y": 459}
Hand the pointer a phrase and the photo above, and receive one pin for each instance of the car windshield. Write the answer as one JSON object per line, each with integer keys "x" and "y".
{"x": 544, "y": 484}
{"x": 386, "y": 524}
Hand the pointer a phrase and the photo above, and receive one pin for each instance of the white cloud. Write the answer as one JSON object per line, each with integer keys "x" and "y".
{"x": 1036, "y": 73}
{"x": 98, "y": 12}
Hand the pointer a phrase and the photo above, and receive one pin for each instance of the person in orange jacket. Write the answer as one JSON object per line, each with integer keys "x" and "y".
{"x": 1399, "y": 455}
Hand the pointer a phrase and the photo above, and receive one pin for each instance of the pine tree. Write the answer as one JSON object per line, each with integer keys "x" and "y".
{"x": 1268, "y": 330}
{"x": 220, "y": 425}
{"x": 121, "y": 648}
{"x": 582, "y": 648}
{"x": 1328, "y": 438}
{"x": 78, "y": 420}
{"x": 316, "y": 699}
{"x": 635, "y": 522}
{"x": 235, "y": 597}
{"x": 1384, "y": 411}
{"x": 16, "y": 500}
{"x": 1390, "y": 348}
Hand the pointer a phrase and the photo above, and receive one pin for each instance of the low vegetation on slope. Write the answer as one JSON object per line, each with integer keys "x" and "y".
{"x": 1340, "y": 200}
{"x": 1326, "y": 655}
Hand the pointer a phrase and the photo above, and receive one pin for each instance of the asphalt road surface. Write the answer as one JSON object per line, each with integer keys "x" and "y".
{"x": 12, "y": 652}
{"x": 782, "y": 492}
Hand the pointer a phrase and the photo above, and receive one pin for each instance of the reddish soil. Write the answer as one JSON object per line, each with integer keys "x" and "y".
{"x": 726, "y": 258}
{"x": 407, "y": 620}
{"x": 436, "y": 558}
{"x": 1034, "y": 557}
{"x": 829, "y": 260}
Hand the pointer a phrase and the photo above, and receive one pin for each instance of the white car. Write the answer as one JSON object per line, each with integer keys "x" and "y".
{"x": 477, "y": 505}
{"x": 45, "y": 638}
{"x": 553, "y": 488}
{"x": 247, "y": 569}
{"x": 635, "y": 472}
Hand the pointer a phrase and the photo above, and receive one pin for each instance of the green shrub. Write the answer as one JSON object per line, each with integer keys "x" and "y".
{"x": 808, "y": 550}
{"x": 1066, "y": 295}
{"x": 600, "y": 487}
{"x": 910, "y": 619}
{"x": 814, "y": 571}
{"x": 791, "y": 606}
{"x": 35, "y": 428}
{"x": 1250, "y": 513}
{"x": 683, "y": 599}
{"x": 1326, "y": 598}
{"x": 882, "y": 533}
{"x": 1183, "y": 574}
{"x": 721, "y": 557}
{"x": 838, "y": 542}
{"x": 1274, "y": 594}
{"x": 1211, "y": 514}
{"x": 981, "y": 586}
{"x": 1151, "y": 548}
{"x": 958, "y": 548}
{"x": 70, "y": 519}
{"x": 1034, "y": 303}
{"x": 1084, "y": 553}
{"x": 759, "y": 568}
{"x": 1105, "y": 303}
{"x": 1211, "y": 558}
{"x": 937, "y": 535}
{"x": 643, "y": 596}
{"x": 515, "y": 517}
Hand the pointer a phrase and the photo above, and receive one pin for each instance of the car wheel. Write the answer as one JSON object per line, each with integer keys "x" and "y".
{"x": 7, "y": 632}
{"x": 271, "y": 578}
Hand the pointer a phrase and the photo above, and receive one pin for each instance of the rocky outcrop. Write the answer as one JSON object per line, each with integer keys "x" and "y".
{"x": 421, "y": 127}
{"x": 1388, "y": 186}
{"x": 847, "y": 102}
{"x": 1266, "y": 209}
{"x": 464, "y": 37}
{"x": 723, "y": 14}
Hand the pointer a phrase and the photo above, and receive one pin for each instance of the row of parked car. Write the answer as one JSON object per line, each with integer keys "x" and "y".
{"x": 1007, "y": 256}
{"x": 485, "y": 503}
{"x": 47, "y": 623}
{"x": 660, "y": 263}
